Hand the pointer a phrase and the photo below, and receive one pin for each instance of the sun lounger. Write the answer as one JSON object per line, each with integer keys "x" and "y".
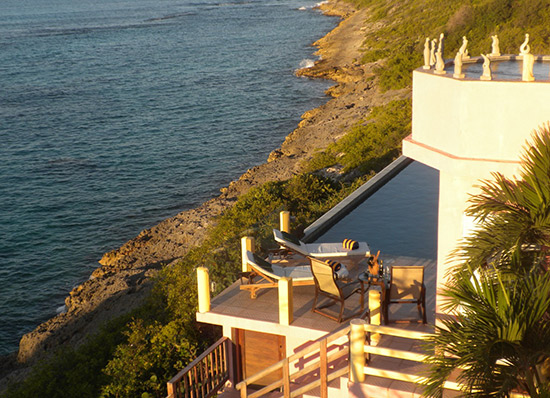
{"x": 265, "y": 275}
{"x": 319, "y": 249}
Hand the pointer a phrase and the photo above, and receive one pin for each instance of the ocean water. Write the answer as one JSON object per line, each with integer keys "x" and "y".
{"x": 116, "y": 114}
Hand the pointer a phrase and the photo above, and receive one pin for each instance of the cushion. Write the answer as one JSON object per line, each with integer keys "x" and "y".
{"x": 340, "y": 271}
{"x": 262, "y": 263}
{"x": 291, "y": 238}
{"x": 350, "y": 244}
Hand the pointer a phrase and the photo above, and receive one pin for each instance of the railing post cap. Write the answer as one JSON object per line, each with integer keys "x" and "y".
{"x": 357, "y": 321}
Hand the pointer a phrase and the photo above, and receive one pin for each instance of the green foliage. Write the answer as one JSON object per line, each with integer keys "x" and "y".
{"x": 371, "y": 145}
{"x": 74, "y": 373}
{"x": 152, "y": 354}
{"x": 500, "y": 338}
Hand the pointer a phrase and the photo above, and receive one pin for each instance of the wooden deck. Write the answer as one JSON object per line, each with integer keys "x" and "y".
{"x": 234, "y": 302}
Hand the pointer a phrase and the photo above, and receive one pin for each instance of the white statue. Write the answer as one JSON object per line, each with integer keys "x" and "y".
{"x": 458, "y": 67}
{"x": 427, "y": 53}
{"x": 528, "y": 60}
{"x": 495, "y": 46}
{"x": 486, "y": 68}
{"x": 463, "y": 49}
{"x": 441, "y": 46}
{"x": 432, "y": 53}
{"x": 527, "y": 71}
{"x": 439, "y": 64}
{"x": 525, "y": 48}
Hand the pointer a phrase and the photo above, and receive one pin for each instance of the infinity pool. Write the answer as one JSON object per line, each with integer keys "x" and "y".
{"x": 399, "y": 219}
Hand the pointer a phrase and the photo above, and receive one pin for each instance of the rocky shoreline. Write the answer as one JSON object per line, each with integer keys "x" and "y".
{"x": 124, "y": 278}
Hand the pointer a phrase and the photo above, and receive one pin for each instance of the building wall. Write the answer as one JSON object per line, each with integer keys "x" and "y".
{"x": 468, "y": 129}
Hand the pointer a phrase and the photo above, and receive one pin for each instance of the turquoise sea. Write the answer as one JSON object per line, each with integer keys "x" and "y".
{"x": 116, "y": 114}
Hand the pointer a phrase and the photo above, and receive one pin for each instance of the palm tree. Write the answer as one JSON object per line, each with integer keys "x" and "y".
{"x": 499, "y": 340}
{"x": 514, "y": 214}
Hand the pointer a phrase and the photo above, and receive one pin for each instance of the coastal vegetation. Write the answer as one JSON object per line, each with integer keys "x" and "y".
{"x": 135, "y": 355}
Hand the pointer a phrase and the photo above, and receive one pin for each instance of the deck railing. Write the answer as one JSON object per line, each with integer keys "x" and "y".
{"x": 206, "y": 375}
{"x": 361, "y": 352}
{"x": 314, "y": 366}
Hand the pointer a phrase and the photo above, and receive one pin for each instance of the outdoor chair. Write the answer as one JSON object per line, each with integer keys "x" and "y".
{"x": 264, "y": 275}
{"x": 326, "y": 250}
{"x": 406, "y": 285}
{"x": 327, "y": 286}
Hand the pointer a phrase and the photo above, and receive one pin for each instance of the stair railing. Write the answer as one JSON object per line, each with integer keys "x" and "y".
{"x": 314, "y": 366}
{"x": 206, "y": 375}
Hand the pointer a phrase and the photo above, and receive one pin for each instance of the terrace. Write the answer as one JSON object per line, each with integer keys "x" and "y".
{"x": 269, "y": 319}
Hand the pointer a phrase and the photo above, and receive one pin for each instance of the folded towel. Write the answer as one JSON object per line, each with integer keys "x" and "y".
{"x": 340, "y": 270}
{"x": 350, "y": 244}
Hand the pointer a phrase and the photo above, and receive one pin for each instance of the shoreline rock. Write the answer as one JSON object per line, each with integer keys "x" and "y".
{"x": 124, "y": 278}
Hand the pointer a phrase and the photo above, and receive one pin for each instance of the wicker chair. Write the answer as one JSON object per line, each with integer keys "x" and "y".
{"x": 406, "y": 286}
{"x": 327, "y": 286}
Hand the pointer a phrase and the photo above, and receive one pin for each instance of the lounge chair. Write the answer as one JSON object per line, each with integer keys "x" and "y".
{"x": 336, "y": 291}
{"x": 264, "y": 275}
{"x": 323, "y": 250}
{"x": 406, "y": 286}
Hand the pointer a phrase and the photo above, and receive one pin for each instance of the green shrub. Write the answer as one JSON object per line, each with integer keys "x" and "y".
{"x": 74, "y": 372}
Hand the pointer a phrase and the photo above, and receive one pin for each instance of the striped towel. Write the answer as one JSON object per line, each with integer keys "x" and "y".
{"x": 350, "y": 244}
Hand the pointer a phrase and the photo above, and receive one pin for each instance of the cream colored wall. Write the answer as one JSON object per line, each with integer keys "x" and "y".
{"x": 467, "y": 129}
{"x": 477, "y": 119}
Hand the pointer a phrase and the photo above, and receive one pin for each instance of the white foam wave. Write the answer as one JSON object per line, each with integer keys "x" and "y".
{"x": 61, "y": 310}
{"x": 302, "y": 8}
{"x": 306, "y": 63}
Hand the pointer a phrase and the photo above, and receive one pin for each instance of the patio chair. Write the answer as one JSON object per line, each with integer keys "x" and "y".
{"x": 264, "y": 275}
{"x": 327, "y": 286}
{"x": 406, "y": 285}
{"x": 318, "y": 249}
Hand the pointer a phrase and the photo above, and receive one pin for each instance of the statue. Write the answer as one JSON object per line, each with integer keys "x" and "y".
{"x": 528, "y": 60}
{"x": 458, "y": 67}
{"x": 495, "y": 47}
{"x": 525, "y": 48}
{"x": 427, "y": 54}
{"x": 486, "y": 68}
{"x": 463, "y": 50}
{"x": 527, "y": 72}
{"x": 439, "y": 64}
{"x": 432, "y": 53}
{"x": 441, "y": 47}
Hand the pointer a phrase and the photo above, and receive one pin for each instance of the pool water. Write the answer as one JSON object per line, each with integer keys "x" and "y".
{"x": 398, "y": 219}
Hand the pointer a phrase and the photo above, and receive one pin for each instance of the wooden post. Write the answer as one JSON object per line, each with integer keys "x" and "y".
{"x": 230, "y": 361}
{"x": 247, "y": 243}
{"x": 374, "y": 308}
{"x": 323, "y": 371}
{"x": 171, "y": 393}
{"x": 286, "y": 305}
{"x": 357, "y": 350}
{"x": 286, "y": 378}
{"x": 203, "y": 288}
{"x": 284, "y": 221}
